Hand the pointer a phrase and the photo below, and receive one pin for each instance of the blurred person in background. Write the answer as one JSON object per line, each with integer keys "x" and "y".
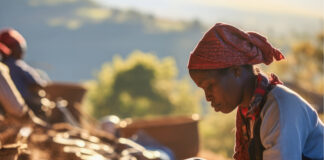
{"x": 13, "y": 109}
{"x": 11, "y": 101}
{"x": 27, "y": 80}
{"x": 273, "y": 122}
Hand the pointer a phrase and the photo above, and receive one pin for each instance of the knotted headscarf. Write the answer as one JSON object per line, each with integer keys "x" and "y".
{"x": 225, "y": 46}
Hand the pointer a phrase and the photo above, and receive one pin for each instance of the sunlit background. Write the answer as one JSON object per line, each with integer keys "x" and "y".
{"x": 71, "y": 40}
{"x": 210, "y": 11}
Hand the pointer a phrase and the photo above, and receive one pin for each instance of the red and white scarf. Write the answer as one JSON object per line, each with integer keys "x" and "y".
{"x": 250, "y": 114}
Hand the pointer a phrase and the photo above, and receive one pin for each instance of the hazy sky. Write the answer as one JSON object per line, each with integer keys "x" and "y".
{"x": 200, "y": 9}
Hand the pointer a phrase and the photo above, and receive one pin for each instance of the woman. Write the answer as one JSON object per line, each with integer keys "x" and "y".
{"x": 273, "y": 122}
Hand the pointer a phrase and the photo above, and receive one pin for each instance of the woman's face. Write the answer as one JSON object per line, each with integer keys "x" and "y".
{"x": 223, "y": 89}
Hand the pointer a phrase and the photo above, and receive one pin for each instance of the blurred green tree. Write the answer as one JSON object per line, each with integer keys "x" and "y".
{"x": 141, "y": 85}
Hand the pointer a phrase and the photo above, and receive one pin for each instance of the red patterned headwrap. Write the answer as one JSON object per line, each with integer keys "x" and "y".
{"x": 9, "y": 39}
{"x": 225, "y": 46}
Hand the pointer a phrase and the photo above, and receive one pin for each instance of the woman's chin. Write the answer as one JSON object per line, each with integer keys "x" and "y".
{"x": 225, "y": 109}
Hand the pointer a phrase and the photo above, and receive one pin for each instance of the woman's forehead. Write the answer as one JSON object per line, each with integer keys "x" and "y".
{"x": 204, "y": 73}
{"x": 201, "y": 76}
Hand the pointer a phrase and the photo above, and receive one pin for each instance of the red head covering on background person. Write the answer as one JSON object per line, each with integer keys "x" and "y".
{"x": 225, "y": 46}
{"x": 10, "y": 39}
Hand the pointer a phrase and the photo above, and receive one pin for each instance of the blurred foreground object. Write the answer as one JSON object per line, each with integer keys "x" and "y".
{"x": 63, "y": 141}
{"x": 180, "y": 134}
{"x": 72, "y": 93}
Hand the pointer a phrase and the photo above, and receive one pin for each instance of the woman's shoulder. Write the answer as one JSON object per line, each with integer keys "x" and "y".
{"x": 287, "y": 105}
{"x": 285, "y": 97}
{"x": 289, "y": 120}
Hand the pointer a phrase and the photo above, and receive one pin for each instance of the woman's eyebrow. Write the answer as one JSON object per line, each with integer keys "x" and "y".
{"x": 204, "y": 83}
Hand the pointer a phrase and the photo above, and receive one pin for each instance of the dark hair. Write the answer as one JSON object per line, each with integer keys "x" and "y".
{"x": 246, "y": 66}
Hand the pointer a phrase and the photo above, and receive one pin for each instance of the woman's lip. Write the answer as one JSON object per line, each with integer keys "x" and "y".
{"x": 216, "y": 107}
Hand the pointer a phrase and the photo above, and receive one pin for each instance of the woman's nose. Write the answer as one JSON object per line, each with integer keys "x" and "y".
{"x": 208, "y": 97}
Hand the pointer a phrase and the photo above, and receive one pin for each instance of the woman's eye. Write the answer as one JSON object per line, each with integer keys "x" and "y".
{"x": 208, "y": 87}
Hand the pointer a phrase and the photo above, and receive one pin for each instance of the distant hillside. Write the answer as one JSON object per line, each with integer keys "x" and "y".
{"x": 71, "y": 39}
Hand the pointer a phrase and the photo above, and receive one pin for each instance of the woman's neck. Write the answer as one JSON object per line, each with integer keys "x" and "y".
{"x": 248, "y": 90}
